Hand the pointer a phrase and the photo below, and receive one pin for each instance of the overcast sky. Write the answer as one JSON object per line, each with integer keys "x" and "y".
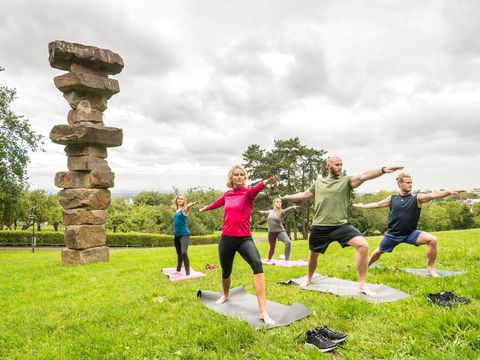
{"x": 375, "y": 82}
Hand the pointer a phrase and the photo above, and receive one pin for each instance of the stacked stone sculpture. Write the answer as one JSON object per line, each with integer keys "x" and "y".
{"x": 85, "y": 197}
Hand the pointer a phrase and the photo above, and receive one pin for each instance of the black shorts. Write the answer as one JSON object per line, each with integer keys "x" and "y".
{"x": 322, "y": 236}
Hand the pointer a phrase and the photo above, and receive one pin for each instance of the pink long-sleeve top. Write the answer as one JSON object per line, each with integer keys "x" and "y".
{"x": 238, "y": 204}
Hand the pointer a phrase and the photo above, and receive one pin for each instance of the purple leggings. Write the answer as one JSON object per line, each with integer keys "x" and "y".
{"x": 272, "y": 240}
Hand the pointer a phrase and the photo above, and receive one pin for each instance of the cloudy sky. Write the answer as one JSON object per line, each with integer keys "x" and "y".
{"x": 376, "y": 82}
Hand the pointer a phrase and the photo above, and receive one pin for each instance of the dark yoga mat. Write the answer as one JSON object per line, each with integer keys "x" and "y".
{"x": 244, "y": 306}
{"x": 349, "y": 288}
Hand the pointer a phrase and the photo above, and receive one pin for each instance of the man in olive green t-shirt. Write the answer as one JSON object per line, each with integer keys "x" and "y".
{"x": 332, "y": 197}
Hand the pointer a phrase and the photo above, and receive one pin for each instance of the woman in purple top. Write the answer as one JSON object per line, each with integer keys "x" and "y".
{"x": 236, "y": 234}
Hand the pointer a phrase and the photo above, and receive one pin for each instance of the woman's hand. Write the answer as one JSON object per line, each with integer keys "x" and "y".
{"x": 269, "y": 181}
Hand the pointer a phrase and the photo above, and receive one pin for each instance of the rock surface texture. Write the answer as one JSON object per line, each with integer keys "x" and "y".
{"x": 85, "y": 196}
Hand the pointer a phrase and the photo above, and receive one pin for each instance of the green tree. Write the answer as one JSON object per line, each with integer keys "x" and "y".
{"x": 118, "y": 216}
{"x": 16, "y": 139}
{"x": 151, "y": 198}
{"x": 295, "y": 166}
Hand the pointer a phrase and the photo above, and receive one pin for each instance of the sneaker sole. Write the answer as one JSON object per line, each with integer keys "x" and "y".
{"x": 322, "y": 350}
{"x": 338, "y": 341}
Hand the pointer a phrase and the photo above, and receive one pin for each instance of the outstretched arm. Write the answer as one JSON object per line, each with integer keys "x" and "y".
{"x": 299, "y": 196}
{"x": 358, "y": 180}
{"x": 424, "y": 198}
{"x": 374, "y": 205}
{"x": 254, "y": 190}
{"x": 216, "y": 204}
{"x": 188, "y": 206}
{"x": 264, "y": 212}
{"x": 290, "y": 208}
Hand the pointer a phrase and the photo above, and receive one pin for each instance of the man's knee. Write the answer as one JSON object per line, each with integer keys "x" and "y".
{"x": 362, "y": 246}
{"x": 433, "y": 241}
{"x": 428, "y": 239}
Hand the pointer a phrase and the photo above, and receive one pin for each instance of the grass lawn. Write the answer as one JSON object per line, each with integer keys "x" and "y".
{"x": 127, "y": 309}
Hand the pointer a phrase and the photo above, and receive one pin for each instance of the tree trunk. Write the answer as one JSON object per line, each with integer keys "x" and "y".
{"x": 304, "y": 220}
{"x": 55, "y": 226}
{"x": 38, "y": 227}
{"x": 295, "y": 236}
{"x": 14, "y": 224}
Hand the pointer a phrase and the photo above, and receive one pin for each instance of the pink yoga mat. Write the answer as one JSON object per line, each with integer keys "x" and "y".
{"x": 287, "y": 263}
{"x": 174, "y": 276}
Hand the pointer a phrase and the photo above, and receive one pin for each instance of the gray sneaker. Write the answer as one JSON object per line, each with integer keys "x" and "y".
{"x": 319, "y": 341}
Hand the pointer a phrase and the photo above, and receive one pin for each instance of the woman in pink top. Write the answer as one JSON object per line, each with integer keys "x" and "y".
{"x": 236, "y": 234}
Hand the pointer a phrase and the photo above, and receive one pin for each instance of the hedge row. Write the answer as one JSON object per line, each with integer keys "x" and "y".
{"x": 53, "y": 238}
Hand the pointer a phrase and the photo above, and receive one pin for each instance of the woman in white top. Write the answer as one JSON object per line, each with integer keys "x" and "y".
{"x": 276, "y": 229}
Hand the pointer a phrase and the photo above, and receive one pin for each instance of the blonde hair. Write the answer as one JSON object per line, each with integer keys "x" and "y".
{"x": 278, "y": 212}
{"x": 401, "y": 176}
{"x": 174, "y": 201}
{"x": 230, "y": 174}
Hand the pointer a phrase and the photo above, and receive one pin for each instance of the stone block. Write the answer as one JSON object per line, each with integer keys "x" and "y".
{"x": 76, "y": 116}
{"x": 81, "y": 237}
{"x": 89, "y": 199}
{"x": 103, "y": 180}
{"x": 86, "y": 150}
{"x": 87, "y": 83}
{"x": 87, "y": 163}
{"x": 77, "y": 257}
{"x": 84, "y": 217}
{"x": 62, "y": 54}
{"x": 84, "y": 179}
{"x": 97, "y": 102}
{"x": 85, "y": 134}
{"x": 82, "y": 69}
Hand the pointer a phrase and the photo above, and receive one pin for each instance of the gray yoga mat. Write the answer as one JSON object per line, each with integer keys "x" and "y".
{"x": 441, "y": 273}
{"x": 422, "y": 272}
{"x": 349, "y": 288}
{"x": 244, "y": 306}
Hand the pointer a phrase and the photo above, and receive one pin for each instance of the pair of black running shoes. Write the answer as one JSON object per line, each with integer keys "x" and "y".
{"x": 447, "y": 299}
{"x": 324, "y": 339}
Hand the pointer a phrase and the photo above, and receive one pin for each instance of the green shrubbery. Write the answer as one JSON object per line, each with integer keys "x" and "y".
{"x": 24, "y": 238}
{"x": 54, "y": 238}
{"x": 155, "y": 240}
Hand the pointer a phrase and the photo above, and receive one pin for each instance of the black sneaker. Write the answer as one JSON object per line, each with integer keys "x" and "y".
{"x": 320, "y": 342}
{"x": 450, "y": 296}
{"x": 336, "y": 337}
{"x": 440, "y": 300}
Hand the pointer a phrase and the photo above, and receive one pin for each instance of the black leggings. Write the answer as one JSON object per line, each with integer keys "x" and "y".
{"x": 227, "y": 248}
{"x": 181, "y": 245}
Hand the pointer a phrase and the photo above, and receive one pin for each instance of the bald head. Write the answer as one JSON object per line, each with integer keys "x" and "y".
{"x": 334, "y": 165}
{"x": 333, "y": 159}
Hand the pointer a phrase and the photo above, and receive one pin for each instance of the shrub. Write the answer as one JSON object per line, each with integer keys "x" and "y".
{"x": 24, "y": 238}
{"x": 52, "y": 238}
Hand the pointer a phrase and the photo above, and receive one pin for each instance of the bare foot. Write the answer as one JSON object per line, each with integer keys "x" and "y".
{"x": 432, "y": 273}
{"x": 222, "y": 299}
{"x": 266, "y": 318}
{"x": 365, "y": 290}
{"x": 306, "y": 282}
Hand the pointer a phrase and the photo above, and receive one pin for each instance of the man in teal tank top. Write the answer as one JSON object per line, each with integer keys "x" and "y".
{"x": 330, "y": 221}
{"x": 403, "y": 218}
